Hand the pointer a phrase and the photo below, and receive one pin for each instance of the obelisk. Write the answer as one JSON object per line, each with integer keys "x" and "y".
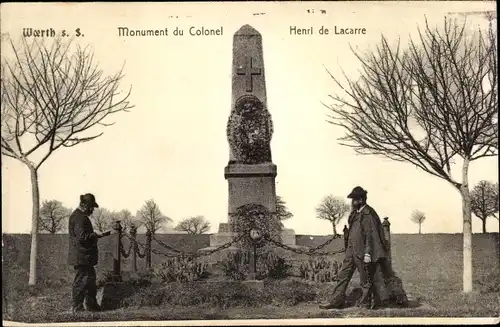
{"x": 250, "y": 172}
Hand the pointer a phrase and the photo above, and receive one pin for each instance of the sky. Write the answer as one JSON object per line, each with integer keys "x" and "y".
{"x": 172, "y": 146}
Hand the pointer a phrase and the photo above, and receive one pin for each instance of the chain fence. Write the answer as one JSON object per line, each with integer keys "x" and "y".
{"x": 195, "y": 254}
{"x": 310, "y": 251}
{"x": 133, "y": 243}
{"x": 145, "y": 250}
{"x": 316, "y": 268}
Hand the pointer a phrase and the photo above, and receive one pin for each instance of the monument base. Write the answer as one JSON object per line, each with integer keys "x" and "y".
{"x": 218, "y": 255}
{"x": 224, "y": 236}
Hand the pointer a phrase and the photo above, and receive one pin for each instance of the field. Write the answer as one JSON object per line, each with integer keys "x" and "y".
{"x": 430, "y": 266}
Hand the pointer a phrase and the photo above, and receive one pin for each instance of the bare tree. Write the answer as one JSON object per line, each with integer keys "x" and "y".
{"x": 484, "y": 202}
{"x": 151, "y": 216}
{"x": 103, "y": 219}
{"x": 332, "y": 209}
{"x": 281, "y": 209}
{"x": 53, "y": 216}
{"x": 194, "y": 225}
{"x": 52, "y": 96}
{"x": 418, "y": 217}
{"x": 427, "y": 105}
{"x": 125, "y": 216}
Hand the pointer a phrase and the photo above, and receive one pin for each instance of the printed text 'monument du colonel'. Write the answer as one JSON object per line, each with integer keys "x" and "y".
{"x": 193, "y": 31}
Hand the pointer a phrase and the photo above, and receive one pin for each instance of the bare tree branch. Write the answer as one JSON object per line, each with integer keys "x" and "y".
{"x": 193, "y": 225}
{"x": 332, "y": 209}
{"x": 103, "y": 219}
{"x": 53, "y": 216}
{"x": 53, "y": 94}
{"x": 151, "y": 216}
{"x": 484, "y": 201}
{"x": 426, "y": 104}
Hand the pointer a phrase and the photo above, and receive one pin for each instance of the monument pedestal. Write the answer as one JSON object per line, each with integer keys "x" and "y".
{"x": 251, "y": 183}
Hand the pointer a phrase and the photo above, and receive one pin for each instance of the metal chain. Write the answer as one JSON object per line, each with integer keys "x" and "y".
{"x": 222, "y": 247}
{"x": 123, "y": 253}
{"x": 169, "y": 255}
{"x": 136, "y": 247}
{"x": 202, "y": 254}
{"x": 178, "y": 253}
{"x": 319, "y": 247}
{"x": 311, "y": 251}
{"x": 166, "y": 245}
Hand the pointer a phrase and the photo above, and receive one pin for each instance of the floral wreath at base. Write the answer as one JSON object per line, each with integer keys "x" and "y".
{"x": 250, "y": 116}
{"x": 255, "y": 216}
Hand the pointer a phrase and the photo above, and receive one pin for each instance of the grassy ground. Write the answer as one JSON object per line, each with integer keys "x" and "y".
{"x": 157, "y": 302}
{"x": 430, "y": 270}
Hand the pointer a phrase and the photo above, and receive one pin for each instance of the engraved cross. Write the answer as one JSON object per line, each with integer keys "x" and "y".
{"x": 248, "y": 71}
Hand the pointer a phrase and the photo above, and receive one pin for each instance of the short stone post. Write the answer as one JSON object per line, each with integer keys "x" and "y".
{"x": 117, "y": 257}
{"x": 387, "y": 234}
{"x": 149, "y": 239}
{"x": 133, "y": 235}
{"x": 346, "y": 234}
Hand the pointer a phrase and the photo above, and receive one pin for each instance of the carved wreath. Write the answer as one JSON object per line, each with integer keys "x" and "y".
{"x": 249, "y": 131}
{"x": 252, "y": 215}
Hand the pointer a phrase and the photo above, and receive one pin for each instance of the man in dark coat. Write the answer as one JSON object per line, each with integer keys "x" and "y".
{"x": 365, "y": 247}
{"x": 83, "y": 254}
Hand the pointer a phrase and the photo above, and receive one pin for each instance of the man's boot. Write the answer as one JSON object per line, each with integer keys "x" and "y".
{"x": 332, "y": 305}
{"x": 92, "y": 305}
{"x": 365, "y": 302}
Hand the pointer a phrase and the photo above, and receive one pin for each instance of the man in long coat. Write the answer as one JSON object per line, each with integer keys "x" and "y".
{"x": 366, "y": 246}
{"x": 83, "y": 254}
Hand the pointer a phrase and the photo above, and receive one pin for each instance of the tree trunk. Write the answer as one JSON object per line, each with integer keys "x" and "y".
{"x": 484, "y": 225}
{"x": 467, "y": 228}
{"x": 334, "y": 229}
{"x": 35, "y": 195}
{"x": 420, "y": 228}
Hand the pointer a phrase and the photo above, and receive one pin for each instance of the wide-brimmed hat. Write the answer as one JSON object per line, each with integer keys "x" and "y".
{"x": 89, "y": 199}
{"x": 357, "y": 192}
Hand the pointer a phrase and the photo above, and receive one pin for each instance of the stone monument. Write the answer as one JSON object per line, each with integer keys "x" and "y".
{"x": 250, "y": 172}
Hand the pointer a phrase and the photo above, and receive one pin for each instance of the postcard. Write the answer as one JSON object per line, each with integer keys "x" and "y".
{"x": 250, "y": 163}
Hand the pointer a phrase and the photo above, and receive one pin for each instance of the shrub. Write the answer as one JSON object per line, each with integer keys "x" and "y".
{"x": 181, "y": 269}
{"x": 235, "y": 265}
{"x": 319, "y": 270}
{"x": 273, "y": 266}
{"x": 257, "y": 216}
